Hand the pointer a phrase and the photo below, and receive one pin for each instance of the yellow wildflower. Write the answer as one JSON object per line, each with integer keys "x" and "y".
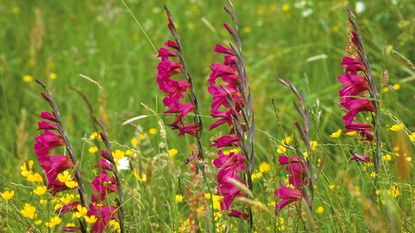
{"x": 172, "y": 152}
{"x": 281, "y": 149}
{"x": 95, "y": 136}
{"x": 247, "y": 29}
{"x": 67, "y": 198}
{"x": 129, "y": 152}
{"x": 287, "y": 140}
{"x": 394, "y": 191}
{"x": 264, "y": 167}
{"x": 179, "y": 198}
{"x": 90, "y": 219}
{"x": 27, "y": 78}
{"x": 53, "y": 76}
{"x": 320, "y": 210}
{"x": 351, "y": 133}
{"x": 387, "y": 157}
{"x": 38, "y": 222}
{"x": 134, "y": 141}
{"x": 34, "y": 178}
{"x": 373, "y": 174}
{"x": 285, "y": 7}
{"x": 412, "y": 137}
{"x": 142, "y": 136}
{"x": 81, "y": 211}
{"x": 396, "y": 87}
{"x": 56, "y": 220}
{"x": 114, "y": 225}
{"x": 377, "y": 192}
{"x": 141, "y": 178}
{"x": 40, "y": 190}
{"x": 336, "y": 134}
{"x": 7, "y": 195}
{"x": 313, "y": 145}
{"x": 118, "y": 154}
{"x": 397, "y": 127}
{"x": 256, "y": 176}
{"x": 28, "y": 211}
{"x": 93, "y": 149}
{"x": 152, "y": 131}
{"x": 332, "y": 186}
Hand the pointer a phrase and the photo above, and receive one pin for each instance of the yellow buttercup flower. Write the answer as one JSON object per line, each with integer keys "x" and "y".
{"x": 81, "y": 211}
{"x": 351, "y": 133}
{"x": 285, "y": 7}
{"x": 95, "y": 136}
{"x": 129, "y": 152}
{"x": 264, "y": 167}
{"x": 34, "y": 178}
{"x": 38, "y": 222}
{"x": 90, "y": 219}
{"x": 28, "y": 211}
{"x": 140, "y": 177}
{"x": 396, "y": 87}
{"x": 336, "y": 134}
{"x": 397, "y": 127}
{"x": 27, "y": 78}
{"x": 114, "y": 225}
{"x": 313, "y": 145}
{"x": 118, "y": 154}
{"x": 71, "y": 184}
{"x": 287, "y": 140}
{"x": 320, "y": 210}
{"x": 53, "y": 76}
{"x": 134, "y": 141}
{"x": 172, "y": 152}
{"x": 281, "y": 149}
{"x": 394, "y": 191}
{"x": 247, "y": 29}
{"x": 256, "y": 176}
{"x": 93, "y": 149}
{"x": 54, "y": 221}
{"x": 40, "y": 190}
{"x": 7, "y": 195}
{"x": 179, "y": 198}
{"x": 152, "y": 131}
{"x": 387, "y": 157}
{"x": 412, "y": 137}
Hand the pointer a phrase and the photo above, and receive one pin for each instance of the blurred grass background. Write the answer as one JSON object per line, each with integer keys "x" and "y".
{"x": 299, "y": 40}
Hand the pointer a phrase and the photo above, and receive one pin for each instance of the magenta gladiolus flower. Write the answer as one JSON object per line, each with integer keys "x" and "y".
{"x": 239, "y": 214}
{"x": 354, "y": 94}
{"x": 360, "y": 158}
{"x": 296, "y": 169}
{"x": 285, "y": 196}
{"x": 229, "y": 166}
{"x": 101, "y": 185}
{"x": 175, "y": 89}
{"x": 104, "y": 214}
{"x": 44, "y": 144}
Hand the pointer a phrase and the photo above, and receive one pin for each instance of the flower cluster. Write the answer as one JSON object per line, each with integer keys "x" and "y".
{"x": 55, "y": 166}
{"x": 175, "y": 89}
{"x": 227, "y": 104}
{"x": 353, "y": 96}
{"x": 296, "y": 169}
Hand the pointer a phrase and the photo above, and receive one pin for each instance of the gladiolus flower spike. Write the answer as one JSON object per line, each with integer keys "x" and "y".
{"x": 231, "y": 106}
{"x": 359, "y": 93}
{"x": 56, "y": 166}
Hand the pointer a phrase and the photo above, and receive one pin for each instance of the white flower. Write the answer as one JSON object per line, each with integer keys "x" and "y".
{"x": 123, "y": 164}
{"x": 307, "y": 12}
{"x": 360, "y": 7}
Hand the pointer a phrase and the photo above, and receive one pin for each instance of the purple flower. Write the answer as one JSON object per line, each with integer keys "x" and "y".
{"x": 175, "y": 89}
{"x": 285, "y": 196}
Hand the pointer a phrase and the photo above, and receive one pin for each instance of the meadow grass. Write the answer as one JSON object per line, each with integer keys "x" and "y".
{"x": 101, "y": 40}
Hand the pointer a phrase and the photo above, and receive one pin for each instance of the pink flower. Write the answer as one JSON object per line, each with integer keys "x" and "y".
{"x": 47, "y": 142}
{"x": 353, "y": 96}
{"x": 104, "y": 214}
{"x": 229, "y": 166}
{"x": 175, "y": 89}
{"x": 360, "y": 158}
{"x": 102, "y": 184}
{"x": 226, "y": 141}
{"x": 285, "y": 196}
{"x": 239, "y": 214}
